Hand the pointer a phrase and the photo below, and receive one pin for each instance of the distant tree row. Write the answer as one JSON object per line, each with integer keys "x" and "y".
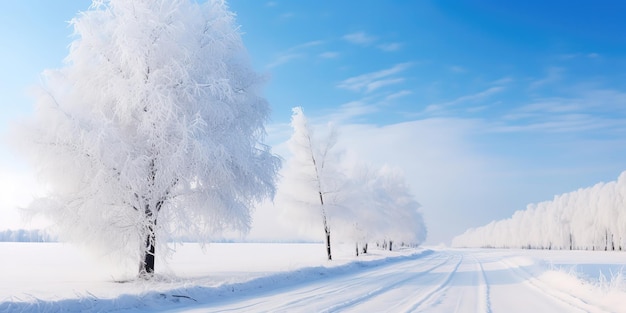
{"x": 23, "y": 235}
{"x": 356, "y": 202}
{"x": 592, "y": 218}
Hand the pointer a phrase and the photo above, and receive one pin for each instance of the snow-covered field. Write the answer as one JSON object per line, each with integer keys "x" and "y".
{"x": 249, "y": 277}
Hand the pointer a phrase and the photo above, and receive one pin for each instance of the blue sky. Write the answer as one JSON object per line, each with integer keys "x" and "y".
{"x": 488, "y": 105}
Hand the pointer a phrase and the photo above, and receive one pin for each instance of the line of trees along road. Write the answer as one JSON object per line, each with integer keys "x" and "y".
{"x": 591, "y": 218}
{"x": 356, "y": 202}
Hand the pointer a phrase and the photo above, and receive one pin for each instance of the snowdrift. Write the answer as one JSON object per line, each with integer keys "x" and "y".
{"x": 591, "y": 218}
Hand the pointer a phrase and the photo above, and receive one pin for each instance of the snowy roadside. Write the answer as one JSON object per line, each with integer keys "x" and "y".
{"x": 57, "y": 277}
{"x": 585, "y": 279}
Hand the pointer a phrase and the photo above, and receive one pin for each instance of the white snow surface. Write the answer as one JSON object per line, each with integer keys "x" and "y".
{"x": 261, "y": 277}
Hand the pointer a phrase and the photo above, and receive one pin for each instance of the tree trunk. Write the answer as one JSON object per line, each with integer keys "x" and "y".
{"x": 146, "y": 266}
{"x": 365, "y": 248}
{"x": 571, "y": 242}
{"x": 390, "y": 245}
{"x": 326, "y": 227}
{"x": 356, "y": 245}
{"x": 330, "y": 257}
{"x": 613, "y": 242}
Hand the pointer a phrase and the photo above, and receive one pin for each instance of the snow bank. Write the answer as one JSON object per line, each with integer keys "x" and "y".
{"x": 592, "y": 218}
{"x": 589, "y": 276}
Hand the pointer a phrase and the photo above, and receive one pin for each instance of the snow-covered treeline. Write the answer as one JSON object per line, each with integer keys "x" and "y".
{"x": 591, "y": 218}
{"x": 26, "y": 235}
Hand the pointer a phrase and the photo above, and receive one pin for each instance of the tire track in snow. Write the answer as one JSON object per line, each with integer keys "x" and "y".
{"x": 325, "y": 292}
{"x": 355, "y": 283}
{"x": 380, "y": 290}
{"x": 484, "y": 301}
{"x": 390, "y": 287}
{"x": 436, "y": 292}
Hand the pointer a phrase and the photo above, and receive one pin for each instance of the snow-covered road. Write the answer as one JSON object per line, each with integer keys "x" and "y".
{"x": 438, "y": 281}
{"x": 247, "y": 277}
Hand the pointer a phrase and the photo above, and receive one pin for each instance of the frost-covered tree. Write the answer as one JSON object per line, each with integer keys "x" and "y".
{"x": 382, "y": 207}
{"x": 311, "y": 180}
{"x": 404, "y": 221}
{"x": 156, "y": 116}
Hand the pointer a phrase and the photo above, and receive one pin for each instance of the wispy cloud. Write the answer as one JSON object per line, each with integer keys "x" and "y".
{"x": 271, "y": 3}
{"x": 284, "y": 58}
{"x": 503, "y": 81}
{"x": 390, "y": 47}
{"x": 399, "y": 94}
{"x": 547, "y": 106}
{"x": 477, "y": 109}
{"x": 329, "y": 54}
{"x": 457, "y": 69}
{"x": 374, "y": 80}
{"x": 601, "y": 110}
{"x": 353, "y": 110}
{"x": 307, "y": 44}
{"x": 553, "y": 75}
{"x": 287, "y": 15}
{"x": 559, "y": 124}
{"x": 570, "y": 56}
{"x": 360, "y": 38}
{"x": 477, "y": 96}
{"x": 471, "y": 98}
{"x": 293, "y": 53}
{"x": 382, "y": 82}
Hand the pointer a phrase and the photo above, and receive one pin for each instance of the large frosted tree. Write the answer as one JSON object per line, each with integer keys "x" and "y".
{"x": 156, "y": 116}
